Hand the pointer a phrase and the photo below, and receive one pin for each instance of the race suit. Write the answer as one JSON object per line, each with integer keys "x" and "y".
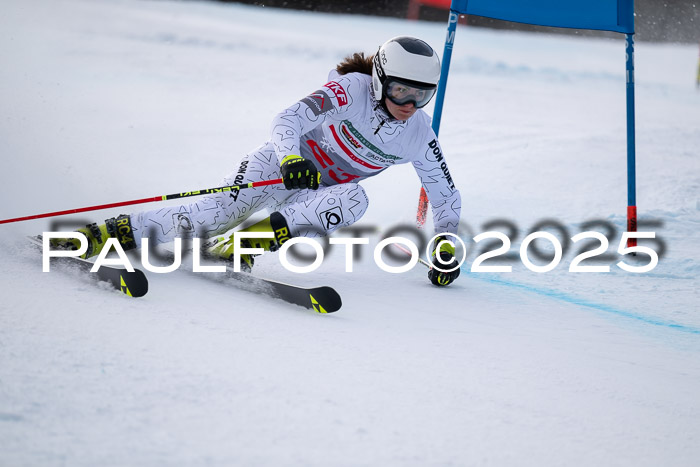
{"x": 349, "y": 136}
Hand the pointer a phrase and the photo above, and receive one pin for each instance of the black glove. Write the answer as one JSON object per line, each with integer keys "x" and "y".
{"x": 298, "y": 172}
{"x": 447, "y": 254}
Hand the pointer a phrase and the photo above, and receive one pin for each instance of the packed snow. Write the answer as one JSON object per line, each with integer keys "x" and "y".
{"x": 111, "y": 100}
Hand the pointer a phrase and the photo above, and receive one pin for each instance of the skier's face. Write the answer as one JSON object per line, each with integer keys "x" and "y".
{"x": 401, "y": 112}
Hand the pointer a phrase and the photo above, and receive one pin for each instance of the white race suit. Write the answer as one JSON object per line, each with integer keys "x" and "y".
{"x": 349, "y": 137}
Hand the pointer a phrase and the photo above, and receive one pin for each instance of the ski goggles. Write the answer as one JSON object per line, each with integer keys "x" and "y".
{"x": 402, "y": 92}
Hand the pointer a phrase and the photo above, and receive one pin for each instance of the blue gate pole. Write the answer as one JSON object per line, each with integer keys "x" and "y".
{"x": 631, "y": 149}
{"x": 422, "y": 212}
{"x": 446, "y": 59}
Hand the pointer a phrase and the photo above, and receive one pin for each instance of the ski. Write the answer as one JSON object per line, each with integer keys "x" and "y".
{"x": 133, "y": 284}
{"x": 322, "y": 299}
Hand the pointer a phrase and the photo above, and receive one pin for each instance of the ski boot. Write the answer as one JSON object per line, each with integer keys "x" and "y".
{"x": 119, "y": 228}
{"x": 222, "y": 247}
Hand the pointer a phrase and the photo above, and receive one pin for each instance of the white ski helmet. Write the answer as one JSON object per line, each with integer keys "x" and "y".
{"x": 406, "y": 69}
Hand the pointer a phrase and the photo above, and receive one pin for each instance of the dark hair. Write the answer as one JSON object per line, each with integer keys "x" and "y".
{"x": 355, "y": 63}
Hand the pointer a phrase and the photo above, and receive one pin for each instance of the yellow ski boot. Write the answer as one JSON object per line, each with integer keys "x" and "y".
{"x": 119, "y": 228}
{"x": 222, "y": 247}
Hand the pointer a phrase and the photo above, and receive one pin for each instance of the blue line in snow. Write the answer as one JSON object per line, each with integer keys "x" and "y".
{"x": 586, "y": 303}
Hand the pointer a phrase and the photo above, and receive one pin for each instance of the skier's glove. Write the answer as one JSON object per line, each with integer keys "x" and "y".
{"x": 298, "y": 172}
{"x": 447, "y": 255}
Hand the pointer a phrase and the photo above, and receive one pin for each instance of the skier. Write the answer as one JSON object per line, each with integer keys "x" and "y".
{"x": 365, "y": 119}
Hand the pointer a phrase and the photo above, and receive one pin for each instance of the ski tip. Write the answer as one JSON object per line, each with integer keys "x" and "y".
{"x": 133, "y": 284}
{"x": 325, "y": 300}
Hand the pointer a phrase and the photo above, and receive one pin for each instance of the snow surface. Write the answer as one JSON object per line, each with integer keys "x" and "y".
{"x": 104, "y": 101}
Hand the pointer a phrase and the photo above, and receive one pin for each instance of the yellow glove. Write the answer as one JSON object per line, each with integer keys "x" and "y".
{"x": 298, "y": 172}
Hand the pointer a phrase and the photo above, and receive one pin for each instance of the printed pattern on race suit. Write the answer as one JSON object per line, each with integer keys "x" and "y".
{"x": 350, "y": 137}
{"x": 309, "y": 213}
{"x": 318, "y": 213}
{"x": 346, "y": 133}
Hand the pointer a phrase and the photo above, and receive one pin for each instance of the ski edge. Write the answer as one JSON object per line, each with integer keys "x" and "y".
{"x": 321, "y": 299}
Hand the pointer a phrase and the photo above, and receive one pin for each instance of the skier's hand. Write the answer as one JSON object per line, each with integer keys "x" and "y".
{"x": 298, "y": 172}
{"x": 443, "y": 259}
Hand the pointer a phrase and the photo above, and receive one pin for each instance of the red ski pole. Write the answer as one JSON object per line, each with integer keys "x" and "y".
{"x": 187, "y": 194}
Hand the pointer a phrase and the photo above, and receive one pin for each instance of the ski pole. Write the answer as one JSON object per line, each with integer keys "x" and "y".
{"x": 186, "y": 194}
{"x": 408, "y": 252}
